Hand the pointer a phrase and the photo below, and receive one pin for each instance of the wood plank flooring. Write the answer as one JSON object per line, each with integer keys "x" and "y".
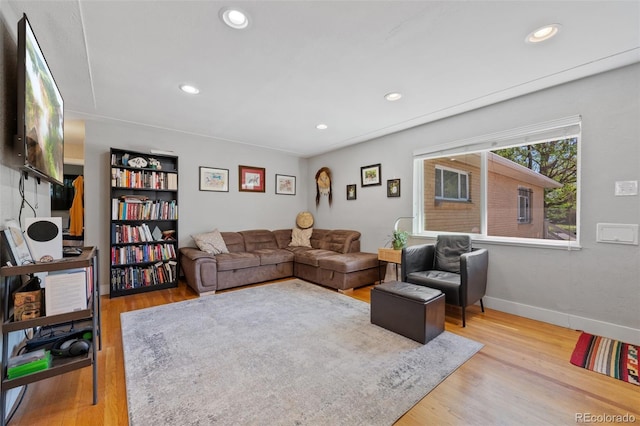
{"x": 522, "y": 376}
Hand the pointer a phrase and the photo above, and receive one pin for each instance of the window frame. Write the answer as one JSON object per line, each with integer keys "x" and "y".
{"x": 460, "y": 173}
{"x": 564, "y": 128}
{"x": 526, "y": 195}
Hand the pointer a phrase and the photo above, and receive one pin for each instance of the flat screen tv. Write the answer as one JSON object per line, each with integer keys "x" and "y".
{"x": 40, "y": 110}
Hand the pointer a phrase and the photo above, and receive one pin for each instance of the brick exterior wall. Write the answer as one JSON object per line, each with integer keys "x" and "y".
{"x": 502, "y": 204}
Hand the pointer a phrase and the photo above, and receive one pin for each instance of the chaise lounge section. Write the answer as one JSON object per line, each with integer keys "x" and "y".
{"x": 331, "y": 258}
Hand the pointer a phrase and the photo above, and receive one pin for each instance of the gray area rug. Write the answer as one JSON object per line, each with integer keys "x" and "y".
{"x": 289, "y": 353}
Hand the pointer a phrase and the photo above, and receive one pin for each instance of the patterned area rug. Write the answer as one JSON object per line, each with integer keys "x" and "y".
{"x": 289, "y": 353}
{"x": 607, "y": 356}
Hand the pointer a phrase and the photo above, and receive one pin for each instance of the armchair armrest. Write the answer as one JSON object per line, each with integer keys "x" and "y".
{"x": 417, "y": 258}
{"x": 473, "y": 271}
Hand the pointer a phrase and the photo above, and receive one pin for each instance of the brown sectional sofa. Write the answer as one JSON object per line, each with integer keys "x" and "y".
{"x": 333, "y": 260}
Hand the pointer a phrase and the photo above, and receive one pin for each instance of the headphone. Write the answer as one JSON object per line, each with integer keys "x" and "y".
{"x": 74, "y": 344}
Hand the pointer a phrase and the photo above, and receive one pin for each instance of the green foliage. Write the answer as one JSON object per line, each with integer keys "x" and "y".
{"x": 557, "y": 160}
{"x": 399, "y": 239}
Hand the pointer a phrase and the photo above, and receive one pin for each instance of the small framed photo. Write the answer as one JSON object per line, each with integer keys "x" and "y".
{"x": 251, "y": 179}
{"x": 213, "y": 179}
{"x": 393, "y": 188}
{"x": 351, "y": 192}
{"x": 285, "y": 185}
{"x": 370, "y": 175}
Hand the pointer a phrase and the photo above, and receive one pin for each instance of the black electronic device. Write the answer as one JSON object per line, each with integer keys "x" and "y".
{"x": 69, "y": 343}
{"x": 73, "y": 344}
{"x": 40, "y": 138}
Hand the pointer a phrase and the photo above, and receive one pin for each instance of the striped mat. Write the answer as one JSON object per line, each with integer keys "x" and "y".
{"x": 607, "y": 356}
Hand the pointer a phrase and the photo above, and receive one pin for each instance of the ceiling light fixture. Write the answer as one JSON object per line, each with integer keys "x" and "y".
{"x": 234, "y": 18}
{"x": 322, "y": 126}
{"x": 543, "y": 33}
{"x": 393, "y": 96}
{"x": 187, "y": 88}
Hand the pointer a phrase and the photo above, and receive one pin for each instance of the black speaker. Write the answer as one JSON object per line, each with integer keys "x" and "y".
{"x": 73, "y": 344}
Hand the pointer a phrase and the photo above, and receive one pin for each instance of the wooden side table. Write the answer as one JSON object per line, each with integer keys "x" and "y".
{"x": 390, "y": 255}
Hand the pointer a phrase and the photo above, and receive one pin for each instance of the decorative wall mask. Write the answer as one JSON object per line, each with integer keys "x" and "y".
{"x": 323, "y": 184}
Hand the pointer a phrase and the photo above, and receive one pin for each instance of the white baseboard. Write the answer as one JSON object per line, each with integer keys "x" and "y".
{"x": 574, "y": 322}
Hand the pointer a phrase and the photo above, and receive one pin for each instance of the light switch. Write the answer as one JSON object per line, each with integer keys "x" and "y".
{"x": 618, "y": 233}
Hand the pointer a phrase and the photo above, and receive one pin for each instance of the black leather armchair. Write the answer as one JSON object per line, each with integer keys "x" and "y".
{"x": 451, "y": 266}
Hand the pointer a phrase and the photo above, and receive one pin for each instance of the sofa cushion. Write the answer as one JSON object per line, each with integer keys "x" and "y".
{"x": 312, "y": 256}
{"x": 256, "y": 239}
{"x": 339, "y": 240}
{"x": 274, "y": 256}
{"x": 301, "y": 237}
{"x": 449, "y": 248}
{"x": 283, "y": 237}
{"x": 318, "y": 236}
{"x": 211, "y": 242}
{"x": 234, "y": 242}
{"x": 229, "y": 261}
{"x": 349, "y": 262}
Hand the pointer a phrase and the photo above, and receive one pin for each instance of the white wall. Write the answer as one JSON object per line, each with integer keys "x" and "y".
{"x": 198, "y": 211}
{"x": 36, "y": 194}
{"x": 596, "y": 288}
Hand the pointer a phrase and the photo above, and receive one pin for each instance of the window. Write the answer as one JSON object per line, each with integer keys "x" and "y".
{"x": 524, "y": 205}
{"x": 520, "y": 185}
{"x": 451, "y": 184}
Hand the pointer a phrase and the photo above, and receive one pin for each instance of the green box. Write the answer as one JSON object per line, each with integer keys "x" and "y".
{"x": 30, "y": 367}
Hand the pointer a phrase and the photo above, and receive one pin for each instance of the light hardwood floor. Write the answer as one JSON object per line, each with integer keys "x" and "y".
{"x": 522, "y": 376}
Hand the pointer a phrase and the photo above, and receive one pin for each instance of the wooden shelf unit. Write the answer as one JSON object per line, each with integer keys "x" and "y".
{"x": 144, "y": 202}
{"x": 87, "y": 259}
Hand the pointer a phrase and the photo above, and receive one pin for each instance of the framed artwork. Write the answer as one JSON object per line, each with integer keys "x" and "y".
{"x": 285, "y": 185}
{"x": 213, "y": 179}
{"x": 351, "y": 192}
{"x": 393, "y": 188}
{"x": 251, "y": 179}
{"x": 370, "y": 175}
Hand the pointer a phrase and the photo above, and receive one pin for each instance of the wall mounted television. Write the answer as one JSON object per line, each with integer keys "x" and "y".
{"x": 40, "y": 137}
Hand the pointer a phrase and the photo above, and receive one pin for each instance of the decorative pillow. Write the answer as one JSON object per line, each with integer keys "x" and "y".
{"x": 301, "y": 237}
{"x": 211, "y": 242}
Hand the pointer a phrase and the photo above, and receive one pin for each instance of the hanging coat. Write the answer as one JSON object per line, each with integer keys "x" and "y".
{"x": 76, "y": 213}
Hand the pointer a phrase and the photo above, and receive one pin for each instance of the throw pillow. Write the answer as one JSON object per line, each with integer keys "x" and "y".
{"x": 211, "y": 242}
{"x": 301, "y": 237}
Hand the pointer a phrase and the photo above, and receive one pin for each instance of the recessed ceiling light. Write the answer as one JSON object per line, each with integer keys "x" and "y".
{"x": 322, "y": 126}
{"x": 393, "y": 96}
{"x": 234, "y": 18}
{"x": 543, "y": 33}
{"x": 187, "y": 88}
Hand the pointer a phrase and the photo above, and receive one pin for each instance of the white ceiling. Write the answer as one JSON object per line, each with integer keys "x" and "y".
{"x": 301, "y": 63}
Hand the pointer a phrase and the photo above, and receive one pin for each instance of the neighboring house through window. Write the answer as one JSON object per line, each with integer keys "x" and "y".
{"x": 521, "y": 184}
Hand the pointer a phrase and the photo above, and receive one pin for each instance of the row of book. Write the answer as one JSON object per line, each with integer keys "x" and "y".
{"x": 144, "y": 253}
{"x": 143, "y": 179}
{"x": 143, "y": 210}
{"x": 138, "y": 234}
{"x": 136, "y": 277}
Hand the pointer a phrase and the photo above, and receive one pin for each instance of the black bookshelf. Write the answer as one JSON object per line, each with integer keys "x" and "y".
{"x": 143, "y": 222}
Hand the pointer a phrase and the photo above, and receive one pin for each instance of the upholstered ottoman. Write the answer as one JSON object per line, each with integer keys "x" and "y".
{"x": 414, "y": 311}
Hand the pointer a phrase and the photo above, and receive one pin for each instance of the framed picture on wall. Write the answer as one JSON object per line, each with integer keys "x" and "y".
{"x": 285, "y": 185}
{"x": 393, "y": 188}
{"x": 251, "y": 179}
{"x": 371, "y": 175}
{"x": 213, "y": 179}
{"x": 351, "y": 192}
